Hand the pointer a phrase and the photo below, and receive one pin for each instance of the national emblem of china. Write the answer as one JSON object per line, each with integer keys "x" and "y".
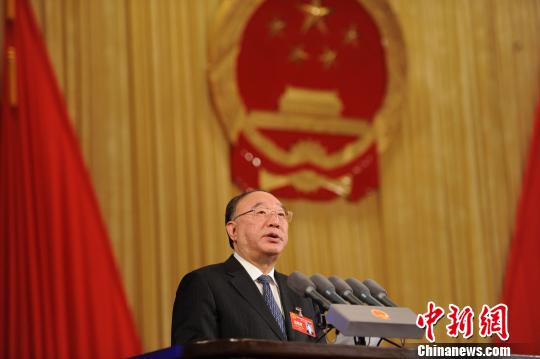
{"x": 307, "y": 92}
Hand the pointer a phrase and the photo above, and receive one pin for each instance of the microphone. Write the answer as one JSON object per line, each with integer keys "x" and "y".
{"x": 325, "y": 287}
{"x": 379, "y": 292}
{"x": 304, "y": 287}
{"x": 361, "y": 291}
{"x": 344, "y": 290}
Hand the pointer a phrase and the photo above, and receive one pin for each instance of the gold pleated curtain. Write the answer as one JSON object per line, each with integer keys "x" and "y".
{"x": 134, "y": 74}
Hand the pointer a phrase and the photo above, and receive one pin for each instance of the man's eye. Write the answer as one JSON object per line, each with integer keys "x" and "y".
{"x": 261, "y": 212}
{"x": 281, "y": 214}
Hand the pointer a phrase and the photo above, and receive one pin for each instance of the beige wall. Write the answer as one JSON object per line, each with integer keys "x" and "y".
{"x": 134, "y": 76}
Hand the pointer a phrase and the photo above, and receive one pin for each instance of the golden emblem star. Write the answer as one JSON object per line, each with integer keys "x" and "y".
{"x": 328, "y": 57}
{"x": 298, "y": 54}
{"x": 351, "y": 36}
{"x": 276, "y": 26}
{"x": 315, "y": 14}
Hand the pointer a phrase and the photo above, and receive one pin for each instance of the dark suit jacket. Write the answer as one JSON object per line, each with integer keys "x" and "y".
{"x": 222, "y": 301}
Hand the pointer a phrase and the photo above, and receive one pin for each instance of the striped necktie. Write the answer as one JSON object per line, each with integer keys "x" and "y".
{"x": 270, "y": 301}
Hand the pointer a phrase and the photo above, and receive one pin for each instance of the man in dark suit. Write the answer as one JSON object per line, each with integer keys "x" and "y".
{"x": 244, "y": 297}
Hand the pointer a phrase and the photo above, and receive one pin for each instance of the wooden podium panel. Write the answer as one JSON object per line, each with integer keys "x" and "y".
{"x": 250, "y": 348}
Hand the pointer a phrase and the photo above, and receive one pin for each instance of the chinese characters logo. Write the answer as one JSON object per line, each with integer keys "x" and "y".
{"x": 491, "y": 321}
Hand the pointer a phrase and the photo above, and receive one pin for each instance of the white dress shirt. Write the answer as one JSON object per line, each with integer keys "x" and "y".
{"x": 255, "y": 273}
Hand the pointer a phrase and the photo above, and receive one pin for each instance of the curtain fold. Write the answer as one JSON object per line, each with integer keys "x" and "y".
{"x": 522, "y": 280}
{"x": 62, "y": 296}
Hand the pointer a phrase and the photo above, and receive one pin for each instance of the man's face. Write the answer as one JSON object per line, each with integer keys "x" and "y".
{"x": 259, "y": 237}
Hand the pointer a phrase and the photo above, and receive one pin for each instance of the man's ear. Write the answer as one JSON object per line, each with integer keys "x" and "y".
{"x": 231, "y": 229}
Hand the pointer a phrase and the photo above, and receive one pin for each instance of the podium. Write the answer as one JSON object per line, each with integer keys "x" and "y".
{"x": 254, "y": 348}
{"x": 251, "y": 348}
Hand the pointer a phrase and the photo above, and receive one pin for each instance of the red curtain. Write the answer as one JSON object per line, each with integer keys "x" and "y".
{"x": 61, "y": 295}
{"x": 522, "y": 282}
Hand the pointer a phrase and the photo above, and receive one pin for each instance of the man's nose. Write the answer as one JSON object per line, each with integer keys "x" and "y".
{"x": 273, "y": 219}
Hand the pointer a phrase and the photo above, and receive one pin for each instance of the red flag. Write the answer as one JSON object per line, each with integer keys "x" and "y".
{"x": 61, "y": 295}
{"x": 522, "y": 282}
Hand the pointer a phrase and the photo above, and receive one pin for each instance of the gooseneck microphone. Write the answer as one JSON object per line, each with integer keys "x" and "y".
{"x": 304, "y": 287}
{"x": 379, "y": 292}
{"x": 344, "y": 290}
{"x": 361, "y": 291}
{"x": 326, "y": 288}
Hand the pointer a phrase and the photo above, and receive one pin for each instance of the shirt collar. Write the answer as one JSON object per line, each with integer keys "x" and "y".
{"x": 253, "y": 271}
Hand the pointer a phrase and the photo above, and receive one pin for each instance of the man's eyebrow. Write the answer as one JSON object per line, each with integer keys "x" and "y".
{"x": 257, "y": 205}
{"x": 261, "y": 203}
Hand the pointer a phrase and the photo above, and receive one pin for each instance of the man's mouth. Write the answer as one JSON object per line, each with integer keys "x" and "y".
{"x": 273, "y": 236}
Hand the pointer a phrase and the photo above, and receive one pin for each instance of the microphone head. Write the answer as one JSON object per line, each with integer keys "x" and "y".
{"x": 340, "y": 284}
{"x": 359, "y": 288}
{"x": 303, "y": 286}
{"x": 375, "y": 288}
{"x": 322, "y": 283}
{"x": 299, "y": 283}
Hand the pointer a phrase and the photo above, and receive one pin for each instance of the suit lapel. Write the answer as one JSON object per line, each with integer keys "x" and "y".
{"x": 243, "y": 284}
{"x": 286, "y": 303}
{"x": 290, "y": 303}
